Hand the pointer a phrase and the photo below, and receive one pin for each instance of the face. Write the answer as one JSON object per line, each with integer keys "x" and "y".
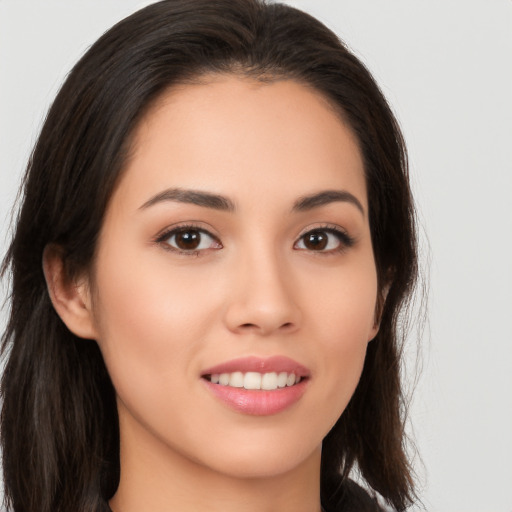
{"x": 236, "y": 255}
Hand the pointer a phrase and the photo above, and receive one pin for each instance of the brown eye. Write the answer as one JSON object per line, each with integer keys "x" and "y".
{"x": 190, "y": 240}
{"x": 326, "y": 240}
{"x": 316, "y": 241}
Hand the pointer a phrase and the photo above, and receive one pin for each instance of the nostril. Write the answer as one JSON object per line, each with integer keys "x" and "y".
{"x": 286, "y": 325}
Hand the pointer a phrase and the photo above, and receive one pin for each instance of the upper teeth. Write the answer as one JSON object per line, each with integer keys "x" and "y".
{"x": 255, "y": 380}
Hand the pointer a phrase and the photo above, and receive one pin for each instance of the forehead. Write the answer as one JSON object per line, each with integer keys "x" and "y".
{"x": 228, "y": 133}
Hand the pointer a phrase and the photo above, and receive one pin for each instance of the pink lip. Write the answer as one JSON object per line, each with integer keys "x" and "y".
{"x": 258, "y": 364}
{"x": 259, "y": 402}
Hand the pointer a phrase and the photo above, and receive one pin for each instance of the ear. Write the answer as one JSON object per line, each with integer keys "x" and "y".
{"x": 379, "y": 308}
{"x": 70, "y": 297}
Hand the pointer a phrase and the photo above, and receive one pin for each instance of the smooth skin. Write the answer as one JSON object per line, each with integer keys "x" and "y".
{"x": 249, "y": 275}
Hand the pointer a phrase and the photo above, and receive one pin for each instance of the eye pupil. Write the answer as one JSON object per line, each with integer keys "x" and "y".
{"x": 316, "y": 240}
{"x": 188, "y": 240}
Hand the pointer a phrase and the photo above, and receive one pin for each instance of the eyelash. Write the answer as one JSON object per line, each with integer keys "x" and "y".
{"x": 162, "y": 239}
{"x": 344, "y": 239}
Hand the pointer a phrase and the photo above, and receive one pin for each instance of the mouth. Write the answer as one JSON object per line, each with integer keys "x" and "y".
{"x": 258, "y": 386}
{"x": 254, "y": 380}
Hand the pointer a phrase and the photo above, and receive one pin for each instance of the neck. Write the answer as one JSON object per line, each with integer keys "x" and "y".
{"x": 157, "y": 478}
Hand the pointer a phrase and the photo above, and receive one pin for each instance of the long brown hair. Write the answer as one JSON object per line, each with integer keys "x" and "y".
{"x": 59, "y": 425}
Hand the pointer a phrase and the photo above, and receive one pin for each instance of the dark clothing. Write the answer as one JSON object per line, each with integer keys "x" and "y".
{"x": 353, "y": 498}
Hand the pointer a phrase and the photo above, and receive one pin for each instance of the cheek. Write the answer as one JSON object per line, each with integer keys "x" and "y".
{"x": 151, "y": 320}
{"x": 342, "y": 304}
{"x": 343, "y": 322}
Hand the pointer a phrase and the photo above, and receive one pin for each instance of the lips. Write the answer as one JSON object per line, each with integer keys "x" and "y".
{"x": 261, "y": 365}
{"x": 257, "y": 386}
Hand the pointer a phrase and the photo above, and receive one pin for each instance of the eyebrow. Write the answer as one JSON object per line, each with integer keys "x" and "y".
{"x": 205, "y": 199}
{"x": 326, "y": 197}
{"x": 219, "y": 202}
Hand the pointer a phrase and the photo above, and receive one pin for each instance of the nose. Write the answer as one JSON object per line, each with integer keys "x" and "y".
{"x": 262, "y": 297}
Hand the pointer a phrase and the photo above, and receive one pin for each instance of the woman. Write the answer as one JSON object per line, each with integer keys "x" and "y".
{"x": 215, "y": 243}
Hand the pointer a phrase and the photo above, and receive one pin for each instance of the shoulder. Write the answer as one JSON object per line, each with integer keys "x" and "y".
{"x": 353, "y": 498}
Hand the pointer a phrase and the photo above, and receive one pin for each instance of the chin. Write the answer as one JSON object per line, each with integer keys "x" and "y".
{"x": 263, "y": 459}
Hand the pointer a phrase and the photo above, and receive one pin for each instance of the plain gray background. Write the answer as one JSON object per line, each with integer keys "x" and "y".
{"x": 446, "y": 68}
